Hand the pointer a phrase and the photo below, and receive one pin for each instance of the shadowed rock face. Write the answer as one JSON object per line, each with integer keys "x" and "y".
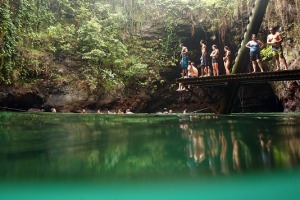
{"x": 16, "y": 101}
{"x": 23, "y": 99}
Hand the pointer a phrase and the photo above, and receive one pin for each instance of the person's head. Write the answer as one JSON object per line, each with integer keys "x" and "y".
{"x": 202, "y": 42}
{"x": 253, "y": 37}
{"x": 214, "y": 46}
{"x": 226, "y": 48}
{"x": 272, "y": 30}
{"x": 181, "y": 45}
{"x": 189, "y": 62}
{"x": 193, "y": 63}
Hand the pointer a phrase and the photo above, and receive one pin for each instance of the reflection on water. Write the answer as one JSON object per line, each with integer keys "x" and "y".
{"x": 230, "y": 144}
{"x": 114, "y": 148}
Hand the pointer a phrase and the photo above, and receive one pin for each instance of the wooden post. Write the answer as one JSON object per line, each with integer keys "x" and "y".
{"x": 241, "y": 61}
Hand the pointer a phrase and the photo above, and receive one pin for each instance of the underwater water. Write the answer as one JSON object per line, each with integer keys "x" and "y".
{"x": 53, "y": 156}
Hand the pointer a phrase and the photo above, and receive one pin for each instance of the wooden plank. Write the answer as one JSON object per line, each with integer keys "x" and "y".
{"x": 245, "y": 78}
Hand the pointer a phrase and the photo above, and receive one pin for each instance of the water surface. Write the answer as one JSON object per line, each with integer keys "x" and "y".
{"x": 142, "y": 156}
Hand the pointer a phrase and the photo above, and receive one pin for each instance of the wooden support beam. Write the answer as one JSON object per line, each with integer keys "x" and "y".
{"x": 232, "y": 84}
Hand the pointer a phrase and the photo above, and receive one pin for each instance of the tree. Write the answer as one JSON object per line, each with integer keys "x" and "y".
{"x": 8, "y": 44}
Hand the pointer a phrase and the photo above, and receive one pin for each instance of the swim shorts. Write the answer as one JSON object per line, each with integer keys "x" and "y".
{"x": 203, "y": 61}
{"x": 184, "y": 62}
{"x": 214, "y": 60}
{"x": 277, "y": 50}
{"x": 255, "y": 55}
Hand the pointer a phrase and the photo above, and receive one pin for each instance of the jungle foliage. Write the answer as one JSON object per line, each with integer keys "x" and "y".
{"x": 117, "y": 43}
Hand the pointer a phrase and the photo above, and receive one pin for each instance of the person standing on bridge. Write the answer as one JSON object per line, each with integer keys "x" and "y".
{"x": 226, "y": 59}
{"x": 184, "y": 60}
{"x": 203, "y": 60}
{"x": 214, "y": 55}
{"x": 255, "y": 45}
{"x": 275, "y": 39}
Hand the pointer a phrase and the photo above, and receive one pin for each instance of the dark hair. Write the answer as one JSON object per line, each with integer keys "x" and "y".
{"x": 226, "y": 47}
{"x": 202, "y": 41}
{"x": 274, "y": 28}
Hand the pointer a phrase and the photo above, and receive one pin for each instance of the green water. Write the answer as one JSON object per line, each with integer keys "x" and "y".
{"x": 53, "y": 156}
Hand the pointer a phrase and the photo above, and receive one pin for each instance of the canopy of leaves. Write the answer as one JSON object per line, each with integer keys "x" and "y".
{"x": 118, "y": 42}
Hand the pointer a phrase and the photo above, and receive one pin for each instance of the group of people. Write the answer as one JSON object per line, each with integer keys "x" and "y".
{"x": 274, "y": 39}
{"x": 205, "y": 70}
{"x": 189, "y": 70}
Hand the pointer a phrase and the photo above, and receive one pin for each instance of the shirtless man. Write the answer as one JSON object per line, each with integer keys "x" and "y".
{"x": 203, "y": 57}
{"x": 275, "y": 39}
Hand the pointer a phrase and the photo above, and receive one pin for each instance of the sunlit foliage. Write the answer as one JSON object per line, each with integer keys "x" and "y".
{"x": 117, "y": 42}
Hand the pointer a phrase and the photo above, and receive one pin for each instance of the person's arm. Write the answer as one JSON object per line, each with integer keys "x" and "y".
{"x": 248, "y": 45}
{"x": 204, "y": 52}
{"x": 260, "y": 44}
{"x": 217, "y": 53}
{"x": 280, "y": 38}
{"x": 269, "y": 40}
{"x": 185, "y": 50}
{"x": 228, "y": 53}
{"x": 226, "y": 56}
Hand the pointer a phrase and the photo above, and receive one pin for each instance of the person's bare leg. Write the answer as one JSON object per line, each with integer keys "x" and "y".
{"x": 217, "y": 69}
{"x": 179, "y": 87}
{"x": 277, "y": 63}
{"x": 227, "y": 68}
{"x": 260, "y": 65}
{"x": 284, "y": 61}
{"x": 254, "y": 66}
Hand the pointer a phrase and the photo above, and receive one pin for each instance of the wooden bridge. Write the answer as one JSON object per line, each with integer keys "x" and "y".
{"x": 232, "y": 82}
{"x": 245, "y": 78}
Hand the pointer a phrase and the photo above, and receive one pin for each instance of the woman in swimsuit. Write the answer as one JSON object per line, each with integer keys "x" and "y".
{"x": 254, "y": 45}
{"x": 226, "y": 59}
